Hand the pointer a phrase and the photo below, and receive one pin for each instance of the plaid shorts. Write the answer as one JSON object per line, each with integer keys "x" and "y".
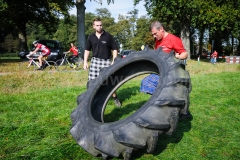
{"x": 149, "y": 83}
{"x": 96, "y": 65}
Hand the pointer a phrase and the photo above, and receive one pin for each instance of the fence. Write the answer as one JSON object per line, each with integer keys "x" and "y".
{"x": 232, "y": 59}
{"x": 229, "y": 59}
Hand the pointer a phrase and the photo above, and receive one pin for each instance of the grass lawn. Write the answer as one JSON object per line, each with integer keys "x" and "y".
{"x": 36, "y": 106}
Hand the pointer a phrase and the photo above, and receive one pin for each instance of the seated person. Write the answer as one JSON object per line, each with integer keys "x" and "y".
{"x": 74, "y": 55}
{"x": 45, "y": 52}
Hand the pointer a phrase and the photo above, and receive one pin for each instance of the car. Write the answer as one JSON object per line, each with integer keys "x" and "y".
{"x": 125, "y": 53}
{"x": 55, "y": 47}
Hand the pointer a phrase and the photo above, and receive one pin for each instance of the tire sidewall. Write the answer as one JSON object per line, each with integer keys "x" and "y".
{"x": 157, "y": 57}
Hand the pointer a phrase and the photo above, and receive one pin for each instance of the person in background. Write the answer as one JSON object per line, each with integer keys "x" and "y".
{"x": 43, "y": 49}
{"x": 168, "y": 42}
{"x": 215, "y": 54}
{"x": 104, "y": 48}
{"x": 74, "y": 55}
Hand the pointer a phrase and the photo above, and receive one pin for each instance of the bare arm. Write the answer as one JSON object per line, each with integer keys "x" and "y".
{"x": 86, "y": 54}
{"x": 114, "y": 55}
{"x": 31, "y": 53}
{"x": 183, "y": 55}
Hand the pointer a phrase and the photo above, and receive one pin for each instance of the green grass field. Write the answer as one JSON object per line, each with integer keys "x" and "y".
{"x": 36, "y": 106}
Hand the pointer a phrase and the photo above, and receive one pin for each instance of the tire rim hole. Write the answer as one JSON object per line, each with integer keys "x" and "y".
{"x": 128, "y": 94}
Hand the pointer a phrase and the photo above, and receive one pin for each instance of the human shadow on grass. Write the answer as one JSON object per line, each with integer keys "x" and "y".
{"x": 123, "y": 95}
{"x": 126, "y": 93}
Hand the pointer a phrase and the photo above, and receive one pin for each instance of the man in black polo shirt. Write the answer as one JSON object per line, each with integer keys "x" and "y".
{"x": 103, "y": 46}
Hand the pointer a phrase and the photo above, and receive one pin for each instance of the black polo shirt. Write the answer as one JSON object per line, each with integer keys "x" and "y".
{"x": 101, "y": 47}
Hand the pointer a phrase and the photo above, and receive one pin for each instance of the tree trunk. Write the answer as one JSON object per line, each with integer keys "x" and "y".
{"x": 232, "y": 38}
{"x": 238, "y": 47}
{"x": 185, "y": 33}
{"x": 22, "y": 39}
{"x": 202, "y": 29}
{"x": 81, "y": 25}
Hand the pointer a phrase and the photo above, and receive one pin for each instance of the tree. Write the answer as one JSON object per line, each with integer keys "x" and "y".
{"x": 174, "y": 14}
{"x": 21, "y": 12}
{"x": 182, "y": 16}
{"x": 106, "y": 18}
{"x": 10, "y": 43}
{"x": 88, "y": 23}
{"x": 142, "y": 36}
{"x": 67, "y": 31}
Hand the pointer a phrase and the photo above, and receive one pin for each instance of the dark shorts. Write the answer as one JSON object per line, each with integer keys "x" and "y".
{"x": 72, "y": 58}
{"x": 96, "y": 65}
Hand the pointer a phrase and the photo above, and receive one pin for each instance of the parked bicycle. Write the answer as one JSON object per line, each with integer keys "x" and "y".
{"x": 64, "y": 64}
{"x": 33, "y": 61}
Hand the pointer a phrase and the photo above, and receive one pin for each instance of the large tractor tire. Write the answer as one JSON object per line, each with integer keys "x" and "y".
{"x": 141, "y": 129}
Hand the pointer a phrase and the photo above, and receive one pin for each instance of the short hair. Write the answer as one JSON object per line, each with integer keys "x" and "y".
{"x": 156, "y": 24}
{"x": 96, "y": 19}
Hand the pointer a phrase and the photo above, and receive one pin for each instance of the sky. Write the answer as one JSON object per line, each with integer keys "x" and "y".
{"x": 119, "y": 7}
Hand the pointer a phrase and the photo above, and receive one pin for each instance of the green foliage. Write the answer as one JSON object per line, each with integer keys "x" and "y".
{"x": 88, "y": 23}
{"x": 121, "y": 31}
{"x": 106, "y": 18}
{"x": 37, "y": 32}
{"x": 219, "y": 17}
{"x": 10, "y": 44}
{"x": 143, "y": 36}
{"x": 19, "y": 13}
{"x": 67, "y": 31}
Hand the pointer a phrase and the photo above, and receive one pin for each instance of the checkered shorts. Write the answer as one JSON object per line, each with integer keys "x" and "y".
{"x": 96, "y": 65}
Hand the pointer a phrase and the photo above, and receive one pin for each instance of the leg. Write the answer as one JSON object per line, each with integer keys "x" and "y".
{"x": 212, "y": 60}
{"x": 95, "y": 66}
{"x": 116, "y": 100}
{"x": 69, "y": 59}
{"x": 74, "y": 59}
{"x": 40, "y": 60}
{"x": 44, "y": 64}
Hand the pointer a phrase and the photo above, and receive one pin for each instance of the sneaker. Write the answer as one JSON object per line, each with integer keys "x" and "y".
{"x": 74, "y": 66}
{"x": 187, "y": 116}
{"x": 117, "y": 102}
{"x": 44, "y": 66}
{"x": 40, "y": 68}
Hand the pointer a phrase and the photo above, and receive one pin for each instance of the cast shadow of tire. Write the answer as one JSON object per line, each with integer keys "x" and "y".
{"x": 164, "y": 140}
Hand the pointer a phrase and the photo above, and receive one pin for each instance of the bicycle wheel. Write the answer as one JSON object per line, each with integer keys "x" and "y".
{"x": 50, "y": 65}
{"x": 27, "y": 65}
{"x": 35, "y": 65}
{"x": 79, "y": 64}
{"x": 55, "y": 65}
{"x": 61, "y": 65}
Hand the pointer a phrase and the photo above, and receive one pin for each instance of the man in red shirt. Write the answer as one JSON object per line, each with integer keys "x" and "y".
{"x": 74, "y": 55}
{"x": 45, "y": 52}
{"x": 168, "y": 42}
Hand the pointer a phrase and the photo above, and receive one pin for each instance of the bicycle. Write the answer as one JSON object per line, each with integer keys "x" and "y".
{"x": 33, "y": 60}
{"x": 63, "y": 63}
